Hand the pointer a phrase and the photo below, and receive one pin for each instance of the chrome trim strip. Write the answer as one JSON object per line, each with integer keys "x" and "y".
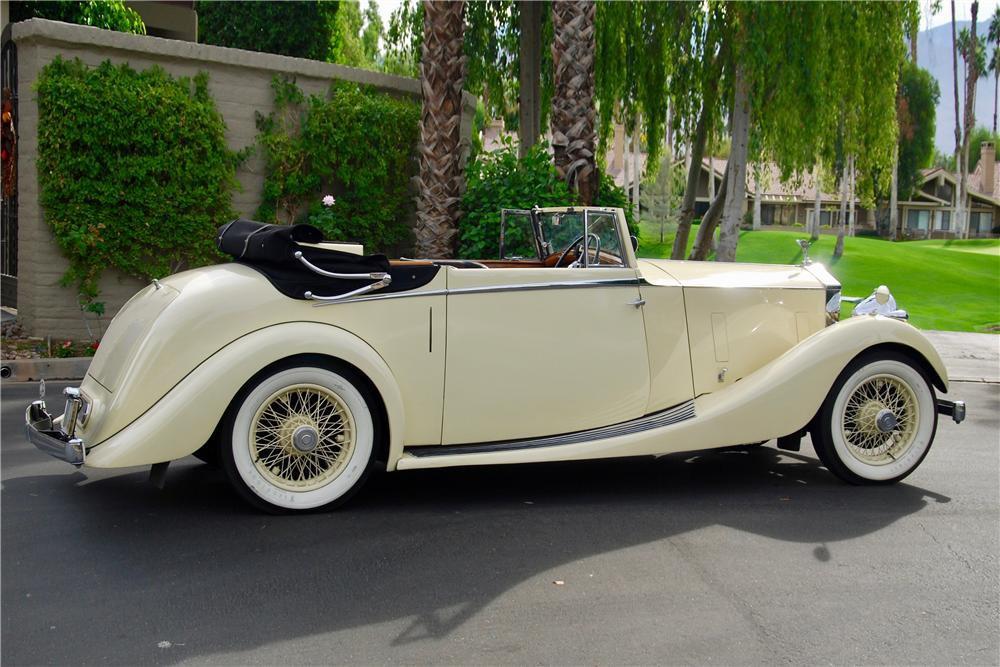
{"x": 380, "y": 275}
{"x": 340, "y": 297}
{"x": 529, "y": 287}
{"x": 667, "y": 417}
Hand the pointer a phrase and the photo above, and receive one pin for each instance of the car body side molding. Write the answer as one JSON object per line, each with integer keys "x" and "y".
{"x": 672, "y": 415}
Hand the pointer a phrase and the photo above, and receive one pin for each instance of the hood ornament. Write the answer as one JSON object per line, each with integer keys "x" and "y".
{"x": 804, "y": 244}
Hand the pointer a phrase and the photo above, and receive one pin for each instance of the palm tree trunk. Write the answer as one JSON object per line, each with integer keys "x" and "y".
{"x": 573, "y": 113}
{"x": 996, "y": 74}
{"x": 958, "y": 119}
{"x": 442, "y": 74}
{"x": 971, "y": 78}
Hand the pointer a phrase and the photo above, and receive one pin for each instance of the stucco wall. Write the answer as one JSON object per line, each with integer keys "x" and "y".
{"x": 240, "y": 82}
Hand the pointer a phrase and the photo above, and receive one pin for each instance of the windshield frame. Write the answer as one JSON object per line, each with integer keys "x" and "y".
{"x": 542, "y": 244}
{"x": 536, "y": 232}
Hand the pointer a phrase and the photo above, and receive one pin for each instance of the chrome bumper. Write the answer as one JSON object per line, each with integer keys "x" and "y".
{"x": 52, "y": 438}
{"x": 953, "y": 409}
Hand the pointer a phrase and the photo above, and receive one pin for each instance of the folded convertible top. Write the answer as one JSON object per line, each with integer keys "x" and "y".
{"x": 271, "y": 249}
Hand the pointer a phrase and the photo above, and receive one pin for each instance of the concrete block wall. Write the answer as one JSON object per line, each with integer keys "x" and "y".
{"x": 240, "y": 82}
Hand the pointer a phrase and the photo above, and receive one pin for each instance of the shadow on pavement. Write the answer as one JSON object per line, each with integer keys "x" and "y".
{"x": 433, "y": 547}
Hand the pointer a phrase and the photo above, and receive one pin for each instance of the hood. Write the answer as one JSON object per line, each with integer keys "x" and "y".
{"x": 732, "y": 274}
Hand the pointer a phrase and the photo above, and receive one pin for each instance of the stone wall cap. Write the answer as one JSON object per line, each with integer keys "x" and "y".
{"x": 57, "y": 32}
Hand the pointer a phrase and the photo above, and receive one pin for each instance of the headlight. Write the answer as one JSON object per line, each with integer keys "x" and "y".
{"x": 832, "y": 305}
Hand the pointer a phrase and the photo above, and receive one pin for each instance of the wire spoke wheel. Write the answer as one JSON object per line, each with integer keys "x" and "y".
{"x": 301, "y": 437}
{"x": 880, "y": 419}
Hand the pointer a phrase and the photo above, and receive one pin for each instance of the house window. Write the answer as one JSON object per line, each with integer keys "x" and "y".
{"x": 980, "y": 223}
{"x": 917, "y": 219}
{"x": 767, "y": 214}
{"x": 944, "y": 220}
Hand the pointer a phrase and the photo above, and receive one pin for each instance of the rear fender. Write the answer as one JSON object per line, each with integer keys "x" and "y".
{"x": 184, "y": 419}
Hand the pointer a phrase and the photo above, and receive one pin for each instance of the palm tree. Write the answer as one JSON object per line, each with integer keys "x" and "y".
{"x": 959, "y": 203}
{"x": 994, "y": 39}
{"x": 573, "y": 113}
{"x": 442, "y": 75}
{"x": 975, "y": 62}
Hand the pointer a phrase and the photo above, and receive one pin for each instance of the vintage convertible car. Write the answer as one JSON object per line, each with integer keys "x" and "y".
{"x": 304, "y": 364}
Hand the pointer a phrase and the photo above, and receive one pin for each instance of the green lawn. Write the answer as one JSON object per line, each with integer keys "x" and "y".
{"x": 949, "y": 285}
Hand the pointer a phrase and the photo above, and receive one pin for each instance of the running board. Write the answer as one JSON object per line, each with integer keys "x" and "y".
{"x": 655, "y": 420}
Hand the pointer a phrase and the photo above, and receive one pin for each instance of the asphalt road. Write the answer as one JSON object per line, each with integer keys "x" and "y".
{"x": 724, "y": 557}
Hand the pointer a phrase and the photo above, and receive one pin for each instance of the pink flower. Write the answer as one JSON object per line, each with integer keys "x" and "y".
{"x": 329, "y": 201}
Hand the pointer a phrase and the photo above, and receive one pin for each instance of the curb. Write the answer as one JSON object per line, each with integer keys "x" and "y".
{"x": 28, "y": 370}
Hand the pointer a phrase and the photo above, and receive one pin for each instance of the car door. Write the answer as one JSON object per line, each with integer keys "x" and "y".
{"x": 542, "y": 351}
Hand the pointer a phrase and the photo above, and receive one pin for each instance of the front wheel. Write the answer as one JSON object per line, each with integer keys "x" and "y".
{"x": 878, "y": 422}
{"x": 299, "y": 439}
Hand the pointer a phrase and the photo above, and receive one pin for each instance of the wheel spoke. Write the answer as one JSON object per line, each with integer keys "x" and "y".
{"x": 859, "y": 423}
{"x": 276, "y": 456}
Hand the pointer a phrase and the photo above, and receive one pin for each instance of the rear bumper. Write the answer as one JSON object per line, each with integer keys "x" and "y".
{"x": 46, "y": 434}
{"x": 953, "y": 409}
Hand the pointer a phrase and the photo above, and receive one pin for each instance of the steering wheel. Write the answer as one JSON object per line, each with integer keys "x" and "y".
{"x": 578, "y": 240}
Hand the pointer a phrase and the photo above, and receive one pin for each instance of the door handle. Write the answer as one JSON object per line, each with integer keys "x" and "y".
{"x": 638, "y": 302}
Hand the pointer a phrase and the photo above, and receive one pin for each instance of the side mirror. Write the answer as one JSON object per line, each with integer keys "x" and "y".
{"x": 635, "y": 243}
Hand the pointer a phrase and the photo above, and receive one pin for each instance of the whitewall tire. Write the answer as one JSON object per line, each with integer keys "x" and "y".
{"x": 878, "y": 422}
{"x": 301, "y": 438}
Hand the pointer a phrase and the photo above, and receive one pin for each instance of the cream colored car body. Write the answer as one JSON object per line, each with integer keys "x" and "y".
{"x": 653, "y": 357}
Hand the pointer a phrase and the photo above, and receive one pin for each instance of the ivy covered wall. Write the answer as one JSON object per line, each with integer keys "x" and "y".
{"x": 239, "y": 85}
{"x": 134, "y": 170}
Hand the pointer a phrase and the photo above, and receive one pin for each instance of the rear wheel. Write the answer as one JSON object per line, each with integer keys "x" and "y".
{"x": 878, "y": 422}
{"x": 299, "y": 439}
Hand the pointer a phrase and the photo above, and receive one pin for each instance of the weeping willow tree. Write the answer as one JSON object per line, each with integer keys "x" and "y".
{"x": 807, "y": 82}
{"x": 636, "y": 44}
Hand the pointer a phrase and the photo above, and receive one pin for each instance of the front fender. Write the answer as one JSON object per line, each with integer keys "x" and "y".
{"x": 183, "y": 419}
{"x": 783, "y": 396}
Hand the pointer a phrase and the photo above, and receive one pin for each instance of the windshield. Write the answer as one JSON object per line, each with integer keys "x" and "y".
{"x": 562, "y": 229}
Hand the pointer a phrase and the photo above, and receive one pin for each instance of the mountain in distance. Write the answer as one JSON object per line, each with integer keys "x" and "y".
{"x": 934, "y": 55}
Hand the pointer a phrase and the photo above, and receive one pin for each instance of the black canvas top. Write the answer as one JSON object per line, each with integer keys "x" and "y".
{"x": 271, "y": 250}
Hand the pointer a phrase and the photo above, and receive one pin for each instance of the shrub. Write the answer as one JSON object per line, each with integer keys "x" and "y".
{"x": 134, "y": 170}
{"x": 107, "y": 14}
{"x": 357, "y": 144}
{"x": 303, "y": 29}
{"x": 499, "y": 180}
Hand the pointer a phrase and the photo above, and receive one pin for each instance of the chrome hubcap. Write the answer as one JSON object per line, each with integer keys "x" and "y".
{"x": 305, "y": 438}
{"x": 886, "y": 421}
